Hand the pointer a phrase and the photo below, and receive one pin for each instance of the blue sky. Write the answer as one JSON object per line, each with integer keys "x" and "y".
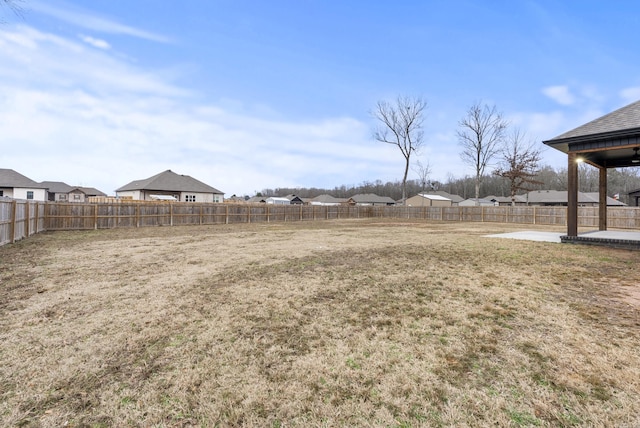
{"x": 245, "y": 95}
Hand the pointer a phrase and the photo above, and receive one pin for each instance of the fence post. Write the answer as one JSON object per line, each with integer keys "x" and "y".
{"x": 534, "y": 215}
{"x": 37, "y": 217}
{"x": 249, "y": 214}
{"x": 170, "y": 214}
{"x": 226, "y": 214}
{"x": 27, "y": 219}
{"x": 14, "y": 211}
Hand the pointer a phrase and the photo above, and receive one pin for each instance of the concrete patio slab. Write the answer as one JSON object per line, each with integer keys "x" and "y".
{"x": 531, "y": 235}
{"x": 611, "y": 238}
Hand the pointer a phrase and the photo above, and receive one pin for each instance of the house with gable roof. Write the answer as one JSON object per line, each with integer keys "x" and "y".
{"x": 428, "y": 200}
{"x": 58, "y": 191}
{"x": 371, "y": 199}
{"x": 328, "y": 200}
{"x": 17, "y": 186}
{"x": 170, "y": 186}
{"x": 561, "y": 198}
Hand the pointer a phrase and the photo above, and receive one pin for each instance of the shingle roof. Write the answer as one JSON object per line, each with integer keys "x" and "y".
{"x": 505, "y": 199}
{"x": 10, "y": 178}
{"x": 454, "y": 198}
{"x": 328, "y": 199}
{"x": 433, "y": 197}
{"x": 625, "y": 118}
{"x": 557, "y": 197}
{"x": 610, "y": 201}
{"x": 57, "y": 186}
{"x": 169, "y": 181}
{"x": 92, "y": 191}
{"x": 371, "y": 198}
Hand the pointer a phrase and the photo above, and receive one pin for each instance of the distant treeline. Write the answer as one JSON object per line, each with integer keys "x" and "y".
{"x": 620, "y": 181}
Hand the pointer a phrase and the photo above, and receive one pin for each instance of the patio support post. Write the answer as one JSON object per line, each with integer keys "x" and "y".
{"x": 572, "y": 195}
{"x": 602, "y": 203}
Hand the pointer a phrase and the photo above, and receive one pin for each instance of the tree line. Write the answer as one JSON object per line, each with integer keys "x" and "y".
{"x": 619, "y": 181}
{"x": 486, "y": 141}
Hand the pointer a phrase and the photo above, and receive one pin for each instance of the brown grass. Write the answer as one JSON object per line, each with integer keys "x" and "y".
{"x": 349, "y": 323}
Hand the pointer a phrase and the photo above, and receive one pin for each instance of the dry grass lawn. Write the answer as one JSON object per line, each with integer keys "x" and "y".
{"x": 328, "y": 324}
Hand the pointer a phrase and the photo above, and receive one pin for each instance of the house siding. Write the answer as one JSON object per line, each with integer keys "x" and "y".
{"x": 21, "y": 193}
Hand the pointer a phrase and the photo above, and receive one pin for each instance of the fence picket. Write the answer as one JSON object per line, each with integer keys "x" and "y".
{"x": 21, "y": 219}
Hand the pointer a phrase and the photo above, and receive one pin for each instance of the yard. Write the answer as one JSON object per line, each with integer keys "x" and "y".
{"x": 317, "y": 324}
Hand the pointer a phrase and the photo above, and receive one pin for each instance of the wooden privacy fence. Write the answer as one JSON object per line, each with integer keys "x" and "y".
{"x": 20, "y": 219}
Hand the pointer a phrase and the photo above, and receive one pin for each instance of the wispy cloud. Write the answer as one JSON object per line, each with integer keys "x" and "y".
{"x": 98, "y": 43}
{"x": 94, "y": 22}
{"x": 560, "y": 94}
{"x": 631, "y": 94}
{"x": 87, "y": 116}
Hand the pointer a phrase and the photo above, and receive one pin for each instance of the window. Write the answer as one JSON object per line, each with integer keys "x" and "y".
{"x": 62, "y": 197}
{"x": 76, "y": 197}
{"x": 29, "y": 194}
{"x": 190, "y": 198}
{"x": 1, "y": 193}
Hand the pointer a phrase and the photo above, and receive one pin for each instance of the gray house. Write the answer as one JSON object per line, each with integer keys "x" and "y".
{"x": 560, "y": 198}
{"x": 170, "y": 186}
{"x": 371, "y": 199}
{"x": 17, "y": 186}
{"x": 57, "y": 191}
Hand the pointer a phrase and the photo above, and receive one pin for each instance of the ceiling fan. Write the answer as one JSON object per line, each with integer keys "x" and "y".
{"x": 636, "y": 156}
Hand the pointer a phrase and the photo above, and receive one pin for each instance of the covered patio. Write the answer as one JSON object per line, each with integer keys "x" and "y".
{"x": 611, "y": 141}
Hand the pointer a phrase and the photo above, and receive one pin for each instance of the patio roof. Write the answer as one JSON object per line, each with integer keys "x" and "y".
{"x": 610, "y": 141}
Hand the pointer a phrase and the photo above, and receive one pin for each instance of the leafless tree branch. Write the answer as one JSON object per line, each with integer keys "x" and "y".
{"x": 481, "y": 135}
{"x": 15, "y": 6}
{"x": 520, "y": 163}
{"x": 401, "y": 125}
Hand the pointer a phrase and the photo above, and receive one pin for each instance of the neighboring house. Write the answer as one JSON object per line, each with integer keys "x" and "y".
{"x": 506, "y": 200}
{"x": 328, "y": 200}
{"x": 295, "y": 200}
{"x": 57, "y": 191}
{"x": 17, "y": 186}
{"x": 455, "y": 199}
{"x": 634, "y": 198}
{"x": 610, "y": 201}
{"x": 559, "y": 198}
{"x": 257, "y": 200}
{"x": 428, "y": 200}
{"x": 274, "y": 200}
{"x": 182, "y": 188}
{"x": 237, "y": 199}
{"x": 371, "y": 199}
{"x": 473, "y": 202}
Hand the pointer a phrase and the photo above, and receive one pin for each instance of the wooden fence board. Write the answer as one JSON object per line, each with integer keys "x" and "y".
{"x": 20, "y": 219}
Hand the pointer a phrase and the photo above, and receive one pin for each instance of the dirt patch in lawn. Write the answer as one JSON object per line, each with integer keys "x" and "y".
{"x": 337, "y": 323}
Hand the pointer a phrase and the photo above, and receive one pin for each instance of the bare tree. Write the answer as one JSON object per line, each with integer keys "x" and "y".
{"x": 423, "y": 172}
{"x": 520, "y": 163}
{"x": 481, "y": 135}
{"x": 401, "y": 125}
{"x": 13, "y": 5}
